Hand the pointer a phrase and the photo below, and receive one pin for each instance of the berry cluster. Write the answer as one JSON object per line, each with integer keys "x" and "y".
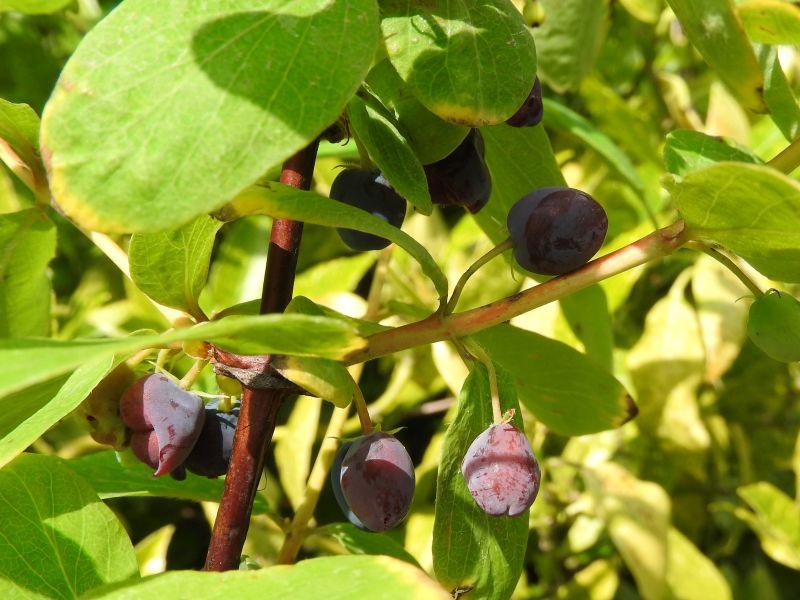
{"x": 554, "y": 230}
{"x": 172, "y": 430}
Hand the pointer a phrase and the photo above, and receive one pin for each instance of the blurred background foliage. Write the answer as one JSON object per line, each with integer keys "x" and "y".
{"x": 696, "y": 498}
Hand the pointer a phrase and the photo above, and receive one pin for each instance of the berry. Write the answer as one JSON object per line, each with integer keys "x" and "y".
{"x": 166, "y": 421}
{"x": 377, "y": 481}
{"x": 212, "y": 451}
{"x": 501, "y": 471}
{"x": 462, "y": 177}
{"x": 556, "y": 230}
{"x": 531, "y": 111}
{"x": 369, "y": 191}
{"x": 100, "y": 409}
{"x": 336, "y": 484}
{"x": 774, "y": 325}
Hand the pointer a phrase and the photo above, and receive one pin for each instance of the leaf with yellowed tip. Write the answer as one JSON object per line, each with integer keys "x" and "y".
{"x": 158, "y": 92}
{"x": 472, "y": 63}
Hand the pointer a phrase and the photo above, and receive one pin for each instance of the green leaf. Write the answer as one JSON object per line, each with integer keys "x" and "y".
{"x": 774, "y": 325}
{"x": 753, "y": 210}
{"x": 172, "y": 266}
{"x": 27, "y": 415}
{"x": 468, "y": 63}
{"x": 714, "y": 29}
{"x": 33, "y": 7}
{"x": 281, "y": 201}
{"x": 521, "y": 161}
{"x": 340, "y": 577}
{"x": 19, "y": 140}
{"x": 27, "y": 245}
{"x": 322, "y": 378}
{"x": 472, "y": 550}
{"x": 112, "y": 478}
{"x": 558, "y": 116}
{"x": 687, "y": 151}
{"x": 570, "y": 40}
{"x": 566, "y": 391}
{"x": 293, "y": 448}
{"x": 267, "y": 334}
{"x": 690, "y": 574}
{"x": 636, "y": 513}
{"x": 59, "y": 539}
{"x": 431, "y": 138}
{"x": 770, "y": 21}
{"x": 392, "y": 153}
{"x": 357, "y": 541}
{"x": 168, "y": 109}
{"x": 776, "y": 521}
{"x": 778, "y": 94}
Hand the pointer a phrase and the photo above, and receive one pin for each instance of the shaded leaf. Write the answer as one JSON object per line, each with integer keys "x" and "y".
{"x": 59, "y": 539}
{"x": 431, "y": 137}
{"x": 570, "y": 40}
{"x": 27, "y": 245}
{"x": 390, "y": 150}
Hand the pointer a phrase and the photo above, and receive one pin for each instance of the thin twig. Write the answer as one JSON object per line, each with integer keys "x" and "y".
{"x": 729, "y": 264}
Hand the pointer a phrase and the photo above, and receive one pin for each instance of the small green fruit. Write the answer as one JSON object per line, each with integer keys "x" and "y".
{"x": 774, "y": 325}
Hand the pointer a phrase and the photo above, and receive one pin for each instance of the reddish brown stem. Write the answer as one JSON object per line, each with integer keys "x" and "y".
{"x": 259, "y": 410}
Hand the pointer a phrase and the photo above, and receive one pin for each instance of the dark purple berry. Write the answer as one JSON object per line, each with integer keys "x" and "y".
{"x": 211, "y": 454}
{"x": 166, "y": 421}
{"x": 461, "y": 178}
{"x": 531, "y": 111}
{"x": 501, "y": 472}
{"x": 369, "y": 191}
{"x": 377, "y": 481}
{"x": 556, "y": 230}
{"x": 336, "y": 484}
